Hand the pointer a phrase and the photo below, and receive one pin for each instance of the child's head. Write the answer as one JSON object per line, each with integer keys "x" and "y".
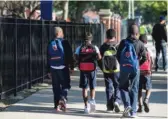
{"x": 110, "y": 34}
{"x": 143, "y": 38}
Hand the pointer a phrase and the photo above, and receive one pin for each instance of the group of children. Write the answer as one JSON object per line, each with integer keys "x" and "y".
{"x": 88, "y": 56}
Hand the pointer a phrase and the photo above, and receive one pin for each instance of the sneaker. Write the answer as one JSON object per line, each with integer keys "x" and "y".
{"x": 140, "y": 109}
{"x": 87, "y": 110}
{"x": 58, "y": 109}
{"x": 127, "y": 111}
{"x": 128, "y": 115}
{"x": 165, "y": 69}
{"x": 133, "y": 115}
{"x": 92, "y": 105}
{"x": 109, "y": 110}
{"x": 116, "y": 107}
{"x": 156, "y": 69}
{"x": 62, "y": 104}
{"x": 146, "y": 105}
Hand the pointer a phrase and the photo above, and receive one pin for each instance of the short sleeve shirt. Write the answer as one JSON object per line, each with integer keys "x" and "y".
{"x": 78, "y": 50}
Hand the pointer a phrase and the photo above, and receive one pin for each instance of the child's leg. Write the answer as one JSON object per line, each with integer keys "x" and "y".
{"x": 115, "y": 77}
{"x": 64, "y": 76}
{"x": 109, "y": 91}
{"x": 85, "y": 96}
{"x": 92, "y": 83}
{"x": 148, "y": 92}
{"x": 84, "y": 85}
{"x": 92, "y": 94}
{"x": 117, "y": 96}
{"x": 148, "y": 86}
{"x": 140, "y": 98}
{"x": 56, "y": 87}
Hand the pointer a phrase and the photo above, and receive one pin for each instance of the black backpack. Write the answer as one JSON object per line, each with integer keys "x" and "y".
{"x": 109, "y": 60}
{"x": 87, "y": 58}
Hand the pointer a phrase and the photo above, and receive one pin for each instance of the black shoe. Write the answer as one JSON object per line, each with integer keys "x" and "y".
{"x": 156, "y": 69}
{"x": 165, "y": 69}
{"x": 140, "y": 109}
{"x": 146, "y": 105}
{"x": 110, "y": 108}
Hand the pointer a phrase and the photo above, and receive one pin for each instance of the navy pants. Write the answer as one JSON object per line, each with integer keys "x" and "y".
{"x": 60, "y": 84}
{"x": 161, "y": 47}
{"x": 112, "y": 89}
{"x": 129, "y": 86}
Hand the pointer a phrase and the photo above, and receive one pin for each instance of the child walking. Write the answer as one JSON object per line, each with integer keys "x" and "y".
{"x": 145, "y": 79}
{"x": 111, "y": 70}
{"x": 87, "y": 54}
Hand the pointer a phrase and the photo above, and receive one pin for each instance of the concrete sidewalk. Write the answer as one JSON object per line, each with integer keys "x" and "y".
{"x": 40, "y": 104}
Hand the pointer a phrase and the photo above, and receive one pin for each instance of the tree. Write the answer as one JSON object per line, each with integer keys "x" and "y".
{"x": 17, "y": 8}
{"x": 150, "y": 10}
{"x": 76, "y": 8}
{"x": 65, "y": 9}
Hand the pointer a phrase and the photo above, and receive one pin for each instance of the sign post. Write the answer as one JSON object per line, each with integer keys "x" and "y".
{"x": 46, "y": 10}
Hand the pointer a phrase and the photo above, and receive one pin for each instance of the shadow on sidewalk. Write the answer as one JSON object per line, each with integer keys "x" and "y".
{"x": 73, "y": 112}
{"x": 70, "y": 111}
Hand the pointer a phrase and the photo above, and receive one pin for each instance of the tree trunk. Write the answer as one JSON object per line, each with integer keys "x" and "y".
{"x": 81, "y": 6}
{"x": 65, "y": 9}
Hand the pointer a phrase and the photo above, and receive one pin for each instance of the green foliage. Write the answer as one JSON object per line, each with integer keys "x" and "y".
{"x": 149, "y": 10}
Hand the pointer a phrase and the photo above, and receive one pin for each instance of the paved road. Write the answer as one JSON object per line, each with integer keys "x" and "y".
{"x": 40, "y": 106}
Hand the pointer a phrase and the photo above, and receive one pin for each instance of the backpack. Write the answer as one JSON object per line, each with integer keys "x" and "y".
{"x": 146, "y": 66}
{"x": 129, "y": 62}
{"x": 87, "y": 58}
{"x": 56, "y": 53}
{"x": 109, "y": 60}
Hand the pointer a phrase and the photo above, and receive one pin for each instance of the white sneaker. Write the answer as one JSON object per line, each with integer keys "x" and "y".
{"x": 87, "y": 110}
{"x": 92, "y": 105}
{"x": 116, "y": 107}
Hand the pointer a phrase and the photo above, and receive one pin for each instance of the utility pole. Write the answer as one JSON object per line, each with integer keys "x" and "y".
{"x": 131, "y": 9}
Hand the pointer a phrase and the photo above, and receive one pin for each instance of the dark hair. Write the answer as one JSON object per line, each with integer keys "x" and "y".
{"x": 88, "y": 36}
{"x": 133, "y": 29}
{"x": 143, "y": 38}
{"x": 110, "y": 33}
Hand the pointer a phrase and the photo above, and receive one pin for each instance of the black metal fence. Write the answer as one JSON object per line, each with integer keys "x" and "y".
{"x": 23, "y": 50}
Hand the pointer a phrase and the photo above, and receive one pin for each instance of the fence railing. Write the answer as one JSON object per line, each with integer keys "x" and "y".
{"x": 23, "y": 48}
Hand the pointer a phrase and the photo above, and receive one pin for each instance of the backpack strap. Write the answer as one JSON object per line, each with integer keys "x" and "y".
{"x": 128, "y": 41}
{"x": 59, "y": 44}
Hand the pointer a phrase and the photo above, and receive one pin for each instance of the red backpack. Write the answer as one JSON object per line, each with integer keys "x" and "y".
{"x": 87, "y": 58}
{"x": 146, "y": 66}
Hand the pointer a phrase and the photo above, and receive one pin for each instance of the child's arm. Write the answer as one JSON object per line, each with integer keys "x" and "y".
{"x": 152, "y": 62}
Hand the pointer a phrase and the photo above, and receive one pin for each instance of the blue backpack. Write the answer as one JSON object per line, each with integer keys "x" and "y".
{"x": 129, "y": 62}
{"x": 56, "y": 53}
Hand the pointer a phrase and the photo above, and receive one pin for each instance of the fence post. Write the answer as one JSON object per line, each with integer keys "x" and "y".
{"x": 15, "y": 55}
{"x": 42, "y": 48}
{"x": 30, "y": 56}
{"x": 0, "y": 87}
{"x": 0, "y": 67}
